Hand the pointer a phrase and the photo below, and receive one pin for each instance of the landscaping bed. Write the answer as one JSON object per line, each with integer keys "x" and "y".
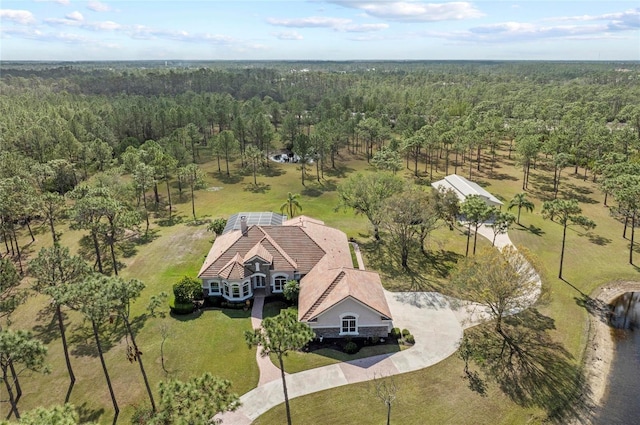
{"x": 339, "y": 344}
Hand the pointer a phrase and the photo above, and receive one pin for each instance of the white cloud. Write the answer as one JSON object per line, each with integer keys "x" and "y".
{"x": 288, "y": 35}
{"x": 75, "y": 16}
{"x": 337, "y": 24}
{"x": 582, "y": 27}
{"x": 619, "y": 21}
{"x": 97, "y": 6}
{"x": 365, "y": 27}
{"x": 509, "y": 32}
{"x": 414, "y": 11}
{"x": 22, "y": 17}
{"x": 310, "y": 22}
{"x": 62, "y": 21}
{"x": 629, "y": 17}
{"x": 78, "y": 21}
{"x": 142, "y": 32}
{"x": 104, "y": 26}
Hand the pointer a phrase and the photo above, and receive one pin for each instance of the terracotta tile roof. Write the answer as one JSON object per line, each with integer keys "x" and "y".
{"x": 219, "y": 247}
{"x": 269, "y": 241}
{"x": 319, "y": 293}
{"x": 260, "y": 251}
{"x": 319, "y": 252}
{"x": 332, "y": 241}
{"x": 301, "y": 220}
{"x": 234, "y": 269}
{"x": 278, "y": 241}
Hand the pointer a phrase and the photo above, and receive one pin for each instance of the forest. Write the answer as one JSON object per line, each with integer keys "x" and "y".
{"x": 99, "y": 161}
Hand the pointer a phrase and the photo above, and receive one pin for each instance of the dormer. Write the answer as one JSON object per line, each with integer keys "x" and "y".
{"x": 257, "y": 254}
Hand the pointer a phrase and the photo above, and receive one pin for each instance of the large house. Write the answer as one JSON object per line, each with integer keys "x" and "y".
{"x": 335, "y": 300}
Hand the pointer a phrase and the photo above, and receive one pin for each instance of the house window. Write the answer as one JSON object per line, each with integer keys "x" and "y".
{"x": 246, "y": 289}
{"x": 225, "y": 288}
{"x": 278, "y": 283}
{"x": 349, "y": 325}
{"x": 257, "y": 266}
{"x": 259, "y": 281}
{"x": 215, "y": 288}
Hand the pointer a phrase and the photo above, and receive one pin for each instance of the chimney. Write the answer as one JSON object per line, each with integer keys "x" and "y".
{"x": 243, "y": 225}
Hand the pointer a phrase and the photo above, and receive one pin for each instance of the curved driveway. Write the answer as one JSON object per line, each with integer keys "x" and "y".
{"x": 436, "y": 321}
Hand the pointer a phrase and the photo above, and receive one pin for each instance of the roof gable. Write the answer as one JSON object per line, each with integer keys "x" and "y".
{"x": 259, "y": 251}
{"x": 234, "y": 269}
{"x": 318, "y": 296}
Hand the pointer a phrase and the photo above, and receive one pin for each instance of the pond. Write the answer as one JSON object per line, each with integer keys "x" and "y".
{"x": 621, "y": 404}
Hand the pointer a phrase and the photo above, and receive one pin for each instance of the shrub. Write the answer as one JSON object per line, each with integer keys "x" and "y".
{"x": 142, "y": 415}
{"x": 351, "y": 347}
{"x": 217, "y": 226}
{"x": 410, "y": 339}
{"x": 291, "y": 290}
{"x": 182, "y": 308}
{"x": 187, "y": 289}
{"x": 395, "y": 333}
{"x": 405, "y": 332}
{"x": 234, "y": 305}
{"x": 214, "y": 301}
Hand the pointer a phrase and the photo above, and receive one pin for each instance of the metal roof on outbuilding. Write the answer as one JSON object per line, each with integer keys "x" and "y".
{"x": 463, "y": 188}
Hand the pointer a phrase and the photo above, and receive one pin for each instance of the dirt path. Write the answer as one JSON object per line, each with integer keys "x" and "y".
{"x": 600, "y": 348}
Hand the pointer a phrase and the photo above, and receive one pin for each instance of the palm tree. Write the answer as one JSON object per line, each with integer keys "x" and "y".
{"x": 291, "y": 205}
{"x": 520, "y": 200}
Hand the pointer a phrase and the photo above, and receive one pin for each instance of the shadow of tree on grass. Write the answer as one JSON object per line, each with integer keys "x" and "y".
{"x": 86, "y": 414}
{"x": 529, "y": 366}
{"x": 111, "y": 332}
{"x": 340, "y": 171}
{"x": 425, "y": 272}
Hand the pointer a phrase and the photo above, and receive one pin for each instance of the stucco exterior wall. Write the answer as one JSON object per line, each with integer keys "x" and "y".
{"x": 331, "y": 317}
{"x": 369, "y": 323}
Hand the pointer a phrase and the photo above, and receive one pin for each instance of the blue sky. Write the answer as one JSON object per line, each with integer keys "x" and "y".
{"x": 319, "y": 30}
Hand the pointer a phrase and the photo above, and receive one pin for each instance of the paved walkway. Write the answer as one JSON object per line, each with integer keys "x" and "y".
{"x": 268, "y": 371}
{"x": 356, "y": 250}
{"x": 437, "y": 323}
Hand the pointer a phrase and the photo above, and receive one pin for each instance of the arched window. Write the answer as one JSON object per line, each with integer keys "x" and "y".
{"x": 214, "y": 288}
{"x": 259, "y": 280}
{"x": 278, "y": 283}
{"x": 349, "y": 324}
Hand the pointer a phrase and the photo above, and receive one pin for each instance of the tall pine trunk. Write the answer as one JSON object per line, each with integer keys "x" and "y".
{"x": 284, "y": 388}
{"x": 564, "y": 237}
{"x": 169, "y": 198}
{"x": 12, "y": 400}
{"x": 106, "y": 372}
{"x": 633, "y": 232}
{"x": 65, "y": 349}
{"x": 138, "y": 356}
{"x": 96, "y": 248}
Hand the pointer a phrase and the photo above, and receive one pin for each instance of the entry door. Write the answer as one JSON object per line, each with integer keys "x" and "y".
{"x": 259, "y": 281}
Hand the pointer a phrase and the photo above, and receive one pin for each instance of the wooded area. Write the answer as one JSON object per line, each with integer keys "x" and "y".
{"x": 105, "y": 149}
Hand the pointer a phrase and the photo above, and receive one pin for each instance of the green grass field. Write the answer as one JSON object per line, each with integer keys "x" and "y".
{"x": 213, "y": 340}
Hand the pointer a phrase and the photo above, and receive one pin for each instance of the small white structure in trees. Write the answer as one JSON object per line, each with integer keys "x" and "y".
{"x": 463, "y": 188}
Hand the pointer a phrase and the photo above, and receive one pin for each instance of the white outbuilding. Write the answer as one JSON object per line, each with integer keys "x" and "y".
{"x": 463, "y": 188}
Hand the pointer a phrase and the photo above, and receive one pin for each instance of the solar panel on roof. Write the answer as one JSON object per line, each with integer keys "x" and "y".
{"x": 264, "y": 218}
